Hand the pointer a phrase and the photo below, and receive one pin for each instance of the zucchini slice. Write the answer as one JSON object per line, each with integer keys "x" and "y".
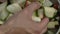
{"x": 52, "y": 24}
{"x": 1, "y": 22}
{"x": 50, "y": 12}
{"x": 41, "y": 1}
{"x": 3, "y": 11}
{"x": 17, "y": 1}
{"x": 50, "y": 32}
{"x": 47, "y": 3}
{"x": 21, "y": 2}
{"x": 36, "y": 19}
{"x": 14, "y": 8}
{"x": 3, "y": 14}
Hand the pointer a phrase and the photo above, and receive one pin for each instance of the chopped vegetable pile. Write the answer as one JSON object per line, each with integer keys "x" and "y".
{"x": 49, "y": 9}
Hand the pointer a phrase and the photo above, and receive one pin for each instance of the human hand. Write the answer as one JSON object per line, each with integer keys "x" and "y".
{"x": 21, "y": 22}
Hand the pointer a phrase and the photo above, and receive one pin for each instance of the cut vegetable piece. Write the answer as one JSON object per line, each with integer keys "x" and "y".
{"x": 52, "y": 24}
{"x": 14, "y": 8}
{"x": 50, "y": 32}
{"x": 17, "y": 1}
{"x": 56, "y": 23}
{"x": 3, "y": 14}
{"x": 40, "y": 13}
{"x": 50, "y": 12}
{"x": 36, "y": 19}
{"x": 1, "y": 22}
{"x": 21, "y": 2}
{"x": 3, "y": 6}
{"x": 41, "y": 1}
{"x": 47, "y": 3}
{"x": 3, "y": 11}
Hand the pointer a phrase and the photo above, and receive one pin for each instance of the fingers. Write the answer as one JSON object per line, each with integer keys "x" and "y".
{"x": 43, "y": 23}
{"x": 31, "y": 8}
{"x": 44, "y": 30}
{"x": 1, "y": 32}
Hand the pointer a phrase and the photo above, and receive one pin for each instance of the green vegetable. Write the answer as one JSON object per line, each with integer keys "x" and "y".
{"x": 17, "y": 1}
{"x": 3, "y": 11}
{"x": 50, "y": 12}
{"x": 21, "y": 2}
{"x": 3, "y": 6}
{"x": 52, "y": 24}
{"x": 1, "y": 22}
{"x": 47, "y": 3}
{"x": 13, "y": 8}
{"x": 41, "y": 1}
{"x": 50, "y": 32}
{"x": 3, "y": 14}
{"x": 36, "y": 19}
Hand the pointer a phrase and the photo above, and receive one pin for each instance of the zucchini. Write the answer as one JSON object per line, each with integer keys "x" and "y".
{"x": 47, "y": 3}
{"x": 21, "y": 2}
{"x": 50, "y": 12}
{"x": 52, "y": 24}
{"x": 41, "y": 1}
{"x": 50, "y": 32}
{"x": 14, "y": 8}
{"x": 17, "y": 1}
{"x": 1, "y": 22}
{"x": 3, "y": 6}
{"x": 3, "y": 11}
{"x": 36, "y": 19}
{"x": 3, "y": 14}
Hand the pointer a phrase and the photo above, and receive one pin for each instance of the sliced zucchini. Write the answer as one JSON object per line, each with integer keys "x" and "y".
{"x": 3, "y": 11}
{"x": 47, "y": 3}
{"x": 17, "y": 1}
{"x": 21, "y": 2}
{"x": 41, "y": 1}
{"x": 14, "y": 8}
{"x": 52, "y": 24}
{"x": 36, "y": 19}
{"x": 38, "y": 15}
{"x": 3, "y": 14}
{"x": 50, "y": 12}
{"x": 1, "y": 22}
{"x": 50, "y": 32}
{"x": 3, "y": 6}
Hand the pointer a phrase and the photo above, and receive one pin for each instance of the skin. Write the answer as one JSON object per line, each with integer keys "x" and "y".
{"x": 21, "y": 22}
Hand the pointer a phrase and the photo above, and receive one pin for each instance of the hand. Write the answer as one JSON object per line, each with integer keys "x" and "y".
{"x": 21, "y": 22}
